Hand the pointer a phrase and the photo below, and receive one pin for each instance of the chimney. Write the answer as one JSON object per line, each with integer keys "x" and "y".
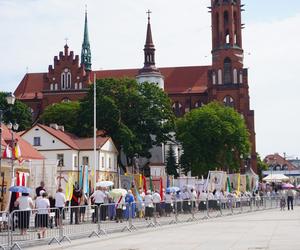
{"x": 62, "y": 128}
{"x": 54, "y": 126}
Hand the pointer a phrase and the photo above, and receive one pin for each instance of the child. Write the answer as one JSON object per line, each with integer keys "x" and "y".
{"x": 282, "y": 203}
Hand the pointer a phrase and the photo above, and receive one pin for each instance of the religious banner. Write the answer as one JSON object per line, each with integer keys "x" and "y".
{"x": 126, "y": 182}
{"x": 216, "y": 180}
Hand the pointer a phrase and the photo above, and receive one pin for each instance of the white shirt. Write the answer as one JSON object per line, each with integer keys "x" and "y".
{"x": 185, "y": 195}
{"x": 148, "y": 200}
{"x": 156, "y": 198}
{"x": 42, "y": 205}
{"x": 60, "y": 199}
{"x": 168, "y": 198}
{"x": 24, "y": 202}
{"x": 98, "y": 196}
{"x": 203, "y": 196}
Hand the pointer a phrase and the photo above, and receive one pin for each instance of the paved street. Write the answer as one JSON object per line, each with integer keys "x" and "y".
{"x": 272, "y": 230}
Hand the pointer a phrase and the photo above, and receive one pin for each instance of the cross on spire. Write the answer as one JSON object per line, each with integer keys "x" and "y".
{"x": 148, "y": 12}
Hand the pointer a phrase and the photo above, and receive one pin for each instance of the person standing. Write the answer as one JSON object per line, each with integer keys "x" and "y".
{"x": 74, "y": 205}
{"x": 43, "y": 206}
{"x": 290, "y": 199}
{"x": 25, "y": 204}
{"x": 169, "y": 203}
{"x": 130, "y": 205}
{"x": 157, "y": 200}
{"x": 83, "y": 202}
{"x": 60, "y": 202}
{"x": 99, "y": 198}
{"x": 40, "y": 188}
{"x": 148, "y": 205}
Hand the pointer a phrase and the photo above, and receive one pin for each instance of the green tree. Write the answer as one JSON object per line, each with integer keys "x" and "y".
{"x": 19, "y": 112}
{"x": 171, "y": 161}
{"x": 65, "y": 113}
{"x": 261, "y": 166}
{"x": 136, "y": 116}
{"x": 213, "y": 136}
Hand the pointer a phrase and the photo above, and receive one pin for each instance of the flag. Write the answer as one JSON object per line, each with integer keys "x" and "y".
{"x": 161, "y": 192}
{"x": 17, "y": 151}
{"x": 145, "y": 184}
{"x": 247, "y": 183}
{"x": 228, "y": 185}
{"x": 151, "y": 184}
{"x": 141, "y": 181}
{"x": 168, "y": 181}
{"x": 7, "y": 152}
{"x": 81, "y": 177}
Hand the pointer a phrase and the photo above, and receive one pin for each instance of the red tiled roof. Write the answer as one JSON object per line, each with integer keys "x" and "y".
{"x": 189, "y": 79}
{"x": 31, "y": 84}
{"x": 276, "y": 159}
{"x": 27, "y": 151}
{"x": 73, "y": 141}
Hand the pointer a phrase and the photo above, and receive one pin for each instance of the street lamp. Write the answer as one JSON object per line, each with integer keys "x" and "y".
{"x": 10, "y": 98}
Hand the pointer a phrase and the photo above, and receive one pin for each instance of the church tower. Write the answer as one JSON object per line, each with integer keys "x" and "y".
{"x": 228, "y": 79}
{"x": 86, "y": 55}
{"x": 149, "y": 73}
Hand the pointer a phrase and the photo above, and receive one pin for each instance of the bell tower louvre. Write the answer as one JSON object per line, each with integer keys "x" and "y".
{"x": 189, "y": 87}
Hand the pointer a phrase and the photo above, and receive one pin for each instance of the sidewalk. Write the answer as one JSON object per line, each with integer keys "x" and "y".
{"x": 272, "y": 230}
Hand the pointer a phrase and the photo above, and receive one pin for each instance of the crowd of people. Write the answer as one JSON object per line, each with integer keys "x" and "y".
{"x": 50, "y": 211}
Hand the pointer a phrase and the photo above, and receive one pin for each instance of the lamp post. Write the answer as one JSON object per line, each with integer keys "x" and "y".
{"x": 10, "y": 98}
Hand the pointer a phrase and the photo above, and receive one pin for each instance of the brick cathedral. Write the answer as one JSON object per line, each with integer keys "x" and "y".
{"x": 226, "y": 80}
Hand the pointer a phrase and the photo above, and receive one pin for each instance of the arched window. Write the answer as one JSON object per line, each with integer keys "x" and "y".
{"x": 228, "y": 101}
{"x": 198, "y": 104}
{"x": 65, "y": 99}
{"x": 219, "y": 76}
{"x": 241, "y": 77}
{"x": 80, "y": 85}
{"x": 235, "y": 76}
{"x": 214, "y": 80}
{"x": 56, "y": 86}
{"x": 51, "y": 86}
{"x": 227, "y": 71}
{"x": 177, "y": 108}
{"x": 68, "y": 80}
{"x": 65, "y": 79}
{"x": 76, "y": 85}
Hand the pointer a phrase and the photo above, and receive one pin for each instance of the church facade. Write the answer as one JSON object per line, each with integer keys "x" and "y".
{"x": 226, "y": 80}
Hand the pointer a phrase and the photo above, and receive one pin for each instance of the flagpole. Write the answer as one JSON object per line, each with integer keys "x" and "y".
{"x": 95, "y": 130}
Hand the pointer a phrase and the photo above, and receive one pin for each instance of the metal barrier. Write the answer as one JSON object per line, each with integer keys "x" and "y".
{"x": 23, "y": 228}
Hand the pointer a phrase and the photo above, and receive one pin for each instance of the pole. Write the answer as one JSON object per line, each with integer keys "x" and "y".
{"x": 2, "y": 181}
{"x": 12, "y": 157}
{"x": 95, "y": 130}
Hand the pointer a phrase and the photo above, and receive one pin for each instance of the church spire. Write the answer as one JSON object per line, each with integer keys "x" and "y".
{"x": 85, "y": 49}
{"x": 149, "y": 49}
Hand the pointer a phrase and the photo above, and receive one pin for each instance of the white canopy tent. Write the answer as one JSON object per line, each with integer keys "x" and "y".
{"x": 276, "y": 178}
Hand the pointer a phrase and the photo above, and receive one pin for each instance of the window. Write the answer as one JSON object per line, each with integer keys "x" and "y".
{"x": 60, "y": 160}
{"x": 55, "y": 86}
{"x": 219, "y": 76}
{"x": 66, "y": 99}
{"x": 102, "y": 161}
{"x": 227, "y": 71}
{"x": 235, "y": 76}
{"x": 109, "y": 163}
{"x": 65, "y": 79}
{"x": 80, "y": 85}
{"x": 241, "y": 77}
{"x": 51, "y": 86}
{"x": 228, "y": 101}
{"x": 36, "y": 141}
{"x": 85, "y": 160}
{"x": 75, "y": 163}
{"x": 214, "y": 78}
{"x": 76, "y": 85}
{"x": 177, "y": 108}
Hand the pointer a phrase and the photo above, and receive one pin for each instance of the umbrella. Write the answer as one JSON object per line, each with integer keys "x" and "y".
{"x": 117, "y": 192}
{"x": 287, "y": 185}
{"x": 298, "y": 187}
{"x": 172, "y": 189}
{"x": 20, "y": 189}
{"x": 104, "y": 184}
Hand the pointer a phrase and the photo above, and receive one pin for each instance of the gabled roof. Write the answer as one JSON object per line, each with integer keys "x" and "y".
{"x": 27, "y": 151}
{"x": 73, "y": 141}
{"x": 276, "y": 159}
{"x": 178, "y": 80}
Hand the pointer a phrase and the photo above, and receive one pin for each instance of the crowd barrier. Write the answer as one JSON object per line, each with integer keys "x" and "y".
{"x": 23, "y": 228}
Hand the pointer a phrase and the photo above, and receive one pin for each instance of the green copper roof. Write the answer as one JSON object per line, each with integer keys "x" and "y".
{"x": 86, "y": 54}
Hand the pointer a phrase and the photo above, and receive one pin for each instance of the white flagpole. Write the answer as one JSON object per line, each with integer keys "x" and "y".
{"x": 95, "y": 130}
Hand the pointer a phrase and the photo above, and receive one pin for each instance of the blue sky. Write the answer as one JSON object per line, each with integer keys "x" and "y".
{"x": 34, "y": 31}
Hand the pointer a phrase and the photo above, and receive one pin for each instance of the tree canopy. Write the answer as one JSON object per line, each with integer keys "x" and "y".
{"x": 17, "y": 113}
{"x": 213, "y": 136}
{"x": 64, "y": 113}
{"x": 136, "y": 116}
{"x": 172, "y": 165}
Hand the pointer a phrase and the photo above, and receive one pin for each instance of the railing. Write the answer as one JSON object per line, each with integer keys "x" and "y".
{"x": 23, "y": 228}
